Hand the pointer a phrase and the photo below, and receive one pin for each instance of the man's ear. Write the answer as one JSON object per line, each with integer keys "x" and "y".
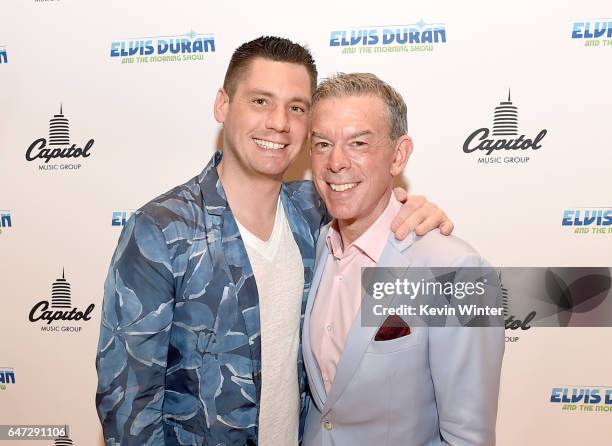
{"x": 402, "y": 151}
{"x": 221, "y": 105}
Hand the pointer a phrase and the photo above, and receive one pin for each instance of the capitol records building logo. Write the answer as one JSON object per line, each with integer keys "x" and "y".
{"x": 55, "y": 314}
{"x": 489, "y": 144}
{"x": 63, "y": 441}
{"x": 53, "y": 155}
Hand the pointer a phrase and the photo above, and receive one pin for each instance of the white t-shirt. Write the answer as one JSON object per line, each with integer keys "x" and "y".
{"x": 279, "y": 274}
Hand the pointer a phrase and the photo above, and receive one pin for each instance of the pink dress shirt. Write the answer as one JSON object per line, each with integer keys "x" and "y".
{"x": 339, "y": 295}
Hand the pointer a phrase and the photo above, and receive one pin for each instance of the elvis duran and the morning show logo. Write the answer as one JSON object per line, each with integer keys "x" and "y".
{"x": 597, "y": 32}
{"x": 6, "y": 221}
{"x": 414, "y": 37}
{"x": 487, "y": 143}
{"x": 121, "y": 216}
{"x": 50, "y": 154}
{"x": 55, "y": 313}
{"x": 178, "y": 48}
{"x": 588, "y": 220}
{"x": 3, "y": 55}
{"x": 590, "y": 399}
{"x": 7, "y": 377}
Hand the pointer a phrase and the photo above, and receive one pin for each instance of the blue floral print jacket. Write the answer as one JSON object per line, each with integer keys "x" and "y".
{"x": 179, "y": 358}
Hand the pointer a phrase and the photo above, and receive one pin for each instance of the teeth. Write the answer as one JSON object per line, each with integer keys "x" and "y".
{"x": 342, "y": 187}
{"x": 269, "y": 144}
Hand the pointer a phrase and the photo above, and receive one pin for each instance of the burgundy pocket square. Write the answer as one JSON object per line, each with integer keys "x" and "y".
{"x": 394, "y": 327}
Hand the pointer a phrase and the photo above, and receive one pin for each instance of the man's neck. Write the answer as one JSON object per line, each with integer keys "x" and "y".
{"x": 351, "y": 229}
{"x": 252, "y": 198}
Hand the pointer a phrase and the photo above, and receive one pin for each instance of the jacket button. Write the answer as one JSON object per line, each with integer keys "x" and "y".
{"x": 328, "y": 425}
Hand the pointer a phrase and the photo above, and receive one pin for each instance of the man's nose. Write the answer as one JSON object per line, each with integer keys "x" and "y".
{"x": 278, "y": 119}
{"x": 338, "y": 159}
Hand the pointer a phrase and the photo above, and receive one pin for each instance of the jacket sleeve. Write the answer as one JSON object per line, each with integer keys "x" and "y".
{"x": 465, "y": 367}
{"x": 134, "y": 336}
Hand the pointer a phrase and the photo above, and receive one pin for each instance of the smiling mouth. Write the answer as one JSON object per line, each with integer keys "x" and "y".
{"x": 269, "y": 144}
{"x": 342, "y": 187}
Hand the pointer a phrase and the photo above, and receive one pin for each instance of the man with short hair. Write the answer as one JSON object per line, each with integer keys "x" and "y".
{"x": 204, "y": 299}
{"x": 391, "y": 384}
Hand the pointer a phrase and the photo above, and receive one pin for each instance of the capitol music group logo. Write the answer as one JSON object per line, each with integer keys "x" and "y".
{"x": 59, "y": 309}
{"x": 415, "y": 37}
{"x": 179, "y": 48}
{"x": 59, "y": 146}
{"x": 503, "y": 136}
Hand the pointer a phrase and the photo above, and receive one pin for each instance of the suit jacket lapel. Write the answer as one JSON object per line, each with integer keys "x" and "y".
{"x": 312, "y": 368}
{"x": 359, "y": 338}
{"x": 228, "y": 247}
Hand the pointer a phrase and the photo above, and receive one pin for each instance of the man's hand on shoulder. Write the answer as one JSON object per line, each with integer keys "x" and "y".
{"x": 419, "y": 215}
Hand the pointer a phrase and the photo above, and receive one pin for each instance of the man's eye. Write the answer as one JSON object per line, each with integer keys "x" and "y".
{"x": 297, "y": 108}
{"x": 322, "y": 145}
{"x": 260, "y": 101}
{"x": 359, "y": 143}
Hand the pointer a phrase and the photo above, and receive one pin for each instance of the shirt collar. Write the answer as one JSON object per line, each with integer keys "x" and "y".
{"x": 372, "y": 242}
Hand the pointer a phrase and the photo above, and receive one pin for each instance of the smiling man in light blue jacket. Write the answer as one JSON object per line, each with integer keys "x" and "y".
{"x": 389, "y": 384}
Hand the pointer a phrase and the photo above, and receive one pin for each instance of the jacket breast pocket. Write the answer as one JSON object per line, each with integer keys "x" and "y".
{"x": 395, "y": 345}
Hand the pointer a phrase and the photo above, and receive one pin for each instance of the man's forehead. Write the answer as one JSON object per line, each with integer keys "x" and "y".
{"x": 276, "y": 78}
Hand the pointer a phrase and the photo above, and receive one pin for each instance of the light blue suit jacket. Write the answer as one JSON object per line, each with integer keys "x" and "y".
{"x": 435, "y": 386}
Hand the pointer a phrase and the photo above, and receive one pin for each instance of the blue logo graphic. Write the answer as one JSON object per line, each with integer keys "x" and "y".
{"x": 7, "y": 376}
{"x": 178, "y": 48}
{"x": 597, "y": 32}
{"x": 5, "y": 220}
{"x": 583, "y": 398}
{"x": 593, "y": 29}
{"x": 121, "y": 217}
{"x": 3, "y": 55}
{"x": 420, "y": 36}
{"x": 588, "y": 220}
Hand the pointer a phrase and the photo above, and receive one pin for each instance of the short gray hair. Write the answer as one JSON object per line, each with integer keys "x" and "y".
{"x": 361, "y": 84}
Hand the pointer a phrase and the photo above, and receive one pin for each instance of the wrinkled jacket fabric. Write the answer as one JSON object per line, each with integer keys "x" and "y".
{"x": 179, "y": 355}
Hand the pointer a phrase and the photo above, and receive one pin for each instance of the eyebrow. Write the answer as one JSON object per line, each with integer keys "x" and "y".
{"x": 362, "y": 133}
{"x": 352, "y": 136}
{"x": 269, "y": 94}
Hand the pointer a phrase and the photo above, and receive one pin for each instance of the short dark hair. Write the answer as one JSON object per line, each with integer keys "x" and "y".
{"x": 272, "y": 48}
